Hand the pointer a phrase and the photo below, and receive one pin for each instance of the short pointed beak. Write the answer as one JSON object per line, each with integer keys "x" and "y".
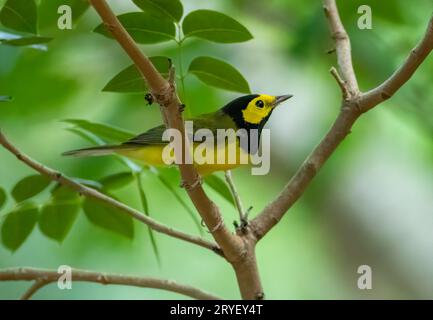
{"x": 281, "y": 99}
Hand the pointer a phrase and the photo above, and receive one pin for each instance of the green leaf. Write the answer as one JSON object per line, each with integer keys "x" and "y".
{"x": 220, "y": 186}
{"x": 29, "y": 187}
{"x": 214, "y": 26}
{"x": 3, "y": 197}
{"x": 18, "y": 225}
{"x": 35, "y": 42}
{"x": 85, "y": 135}
{"x": 145, "y": 206}
{"x": 218, "y": 73}
{"x": 62, "y": 193}
{"x": 161, "y": 174}
{"x": 131, "y": 80}
{"x": 5, "y": 98}
{"x": 56, "y": 218}
{"x": 171, "y": 9}
{"x": 109, "y": 218}
{"x": 143, "y": 28}
{"x": 93, "y": 139}
{"x": 117, "y": 181}
{"x": 26, "y": 41}
{"x": 20, "y": 15}
{"x": 104, "y": 131}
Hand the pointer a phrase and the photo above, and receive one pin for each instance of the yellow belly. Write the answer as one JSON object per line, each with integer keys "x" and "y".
{"x": 153, "y": 155}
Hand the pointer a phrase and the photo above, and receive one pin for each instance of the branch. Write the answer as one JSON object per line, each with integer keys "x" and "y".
{"x": 43, "y": 277}
{"x": 341, "y": 83}
{"x": 165, "y": 94}
{"x": 37, "y": 285}
{"x": 351, "y": 110}
{"x": 92, "y": 193}
{"x": 342, "y": 46}
{"x": 387, "y": 89}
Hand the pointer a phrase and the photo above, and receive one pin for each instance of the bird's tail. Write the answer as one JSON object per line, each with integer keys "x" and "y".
{"x": 97, "y": 151}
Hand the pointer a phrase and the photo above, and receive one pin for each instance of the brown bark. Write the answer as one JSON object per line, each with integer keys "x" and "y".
{"x": 43, "y": 277}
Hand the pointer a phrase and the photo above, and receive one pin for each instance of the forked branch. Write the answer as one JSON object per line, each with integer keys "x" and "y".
{"x": 43, "y": 277}
{"x": 352, "y": 107}
{"x": 342, "y": 46}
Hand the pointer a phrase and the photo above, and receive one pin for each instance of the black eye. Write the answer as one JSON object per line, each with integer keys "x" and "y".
{"x": 260, "y": 104}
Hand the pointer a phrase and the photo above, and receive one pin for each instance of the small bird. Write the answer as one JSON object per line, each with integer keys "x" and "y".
{"x": 247, "y": 112}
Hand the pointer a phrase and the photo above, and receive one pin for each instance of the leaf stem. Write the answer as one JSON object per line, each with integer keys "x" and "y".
{"x": 44, "y": 277}
{"x": 145, "y": 207}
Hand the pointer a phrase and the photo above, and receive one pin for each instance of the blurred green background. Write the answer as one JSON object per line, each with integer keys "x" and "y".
{"x": 372, "y": 203}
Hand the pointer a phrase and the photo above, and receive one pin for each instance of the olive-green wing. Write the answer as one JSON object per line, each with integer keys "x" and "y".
{"x": 152, "y": 136}
{"x": 211, "y": 121}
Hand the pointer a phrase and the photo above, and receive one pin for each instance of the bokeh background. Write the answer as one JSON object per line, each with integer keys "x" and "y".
{"x": 372, "y": 203}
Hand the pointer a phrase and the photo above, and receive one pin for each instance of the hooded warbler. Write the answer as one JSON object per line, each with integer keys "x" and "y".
{"x": 248, "y": 113}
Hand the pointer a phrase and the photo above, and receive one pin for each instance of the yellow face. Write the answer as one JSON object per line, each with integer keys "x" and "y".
{"x": 259, "y": 108}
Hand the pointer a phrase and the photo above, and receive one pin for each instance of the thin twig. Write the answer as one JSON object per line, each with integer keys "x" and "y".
{"x": 92, "y": 193}
{"x": 37, "y": 285}
{"x": 342, "y": 46}
{"x": 416, "y": 57}
{"x": 145, "y": 208}
{"x": 341, "y": 83}
{"x": 43, "y": 277}
{"x": 235, "y": 195}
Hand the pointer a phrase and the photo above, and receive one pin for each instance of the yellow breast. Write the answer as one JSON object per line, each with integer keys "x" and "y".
{"x": 225, "y": 157}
